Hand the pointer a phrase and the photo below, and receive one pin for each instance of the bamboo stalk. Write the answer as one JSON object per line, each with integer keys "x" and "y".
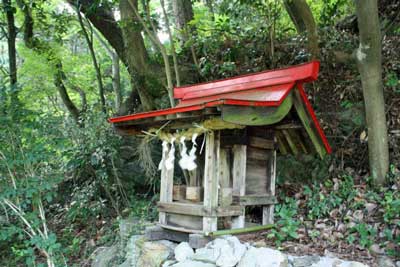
{"x": 240, "y": 231}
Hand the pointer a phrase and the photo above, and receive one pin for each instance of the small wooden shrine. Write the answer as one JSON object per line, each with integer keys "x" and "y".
{"x": 225, "y": 135}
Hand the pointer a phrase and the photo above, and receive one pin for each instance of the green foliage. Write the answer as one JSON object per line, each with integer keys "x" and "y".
{"x": 366, "y": 233}
{"x": 286, "y": 225}
{"x": 320, "y": 203}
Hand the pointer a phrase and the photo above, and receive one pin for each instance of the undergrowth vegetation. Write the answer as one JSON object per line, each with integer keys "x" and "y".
{"x": 341, "y": 214}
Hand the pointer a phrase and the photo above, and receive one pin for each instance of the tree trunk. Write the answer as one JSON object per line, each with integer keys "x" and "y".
{"x": 126, "y": 39}
{"x": 301, "y": 15}
{"x": 116, "y": 80}
{"x": 157, "y": 43}
{"x": 89, "y": 41}
{"x": 116, "y": 76}
{"x": 62, "y": 90}
{"x": 42, "y": 48}
{"x": 171, "y": 40}
{"x": 135, "y": 54}
{"x": 369, "y": 62}
{"x": 183, "y": 13}
{"x": 12, "y": 54}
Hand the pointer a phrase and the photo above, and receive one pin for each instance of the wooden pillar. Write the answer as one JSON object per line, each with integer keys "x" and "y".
{"x": 211, "y": 179}
{"x": 225, "y": 185}
{"x": 239, "y": 179}
{"x": 268, "y": 211}
{"x": 167, "y": 183}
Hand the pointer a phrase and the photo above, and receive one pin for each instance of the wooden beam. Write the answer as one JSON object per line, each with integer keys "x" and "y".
{"x": 240, "y": 231}
{"x": 290, "y": 141}
{"x": 296, "y": 135}
{"x": 288, "y": 126}
{"x": 239, "y": 179}
{"x": 166, "y": 188}
{"x": 268, "y": 211}
{"x": 261, "y": 142}
{"x": 198, "y": 210}
{"x": 254, "y": 200}
{"x": 211, "y": 179}
{"x": 225, "y": 192}
{"x": 281, "y": 143}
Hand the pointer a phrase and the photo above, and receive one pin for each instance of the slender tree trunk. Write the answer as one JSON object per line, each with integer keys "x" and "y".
{"x": 89, "y": 41}
{"x": 171, "y": 40}
{"x": 116, "y": 80}
{"x": 116, "y": 76}
{"x": 62, "y": 90}
{"x": 369, "y": 62}
{"x": 302, "y": 17}
{"x": 12, "y": 54}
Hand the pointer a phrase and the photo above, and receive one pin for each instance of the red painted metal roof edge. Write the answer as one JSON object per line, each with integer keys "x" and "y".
{"x": 178, "y": 109}
{"x": 314, "y": 118}
{"x": 180, "y": 91}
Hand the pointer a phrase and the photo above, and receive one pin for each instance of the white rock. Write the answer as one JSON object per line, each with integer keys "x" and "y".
{"x": 224, "y": 252}
{"x": 335, "y": 262}
{"x": 206, "y": 255}
{"x": 190, "y": 263}
{"x": 303, "y": 261}
{"x": 231, "y": 253}
{"x": 263, "y": 257}
{"x": 183, "y": 252}
{"x": 328, "y": 262}
{"x": 352, "y": 264}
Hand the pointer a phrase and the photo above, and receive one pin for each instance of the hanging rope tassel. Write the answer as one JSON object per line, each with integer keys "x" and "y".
{"x": 169, "y": 162}
{"x": 164, "y": 154}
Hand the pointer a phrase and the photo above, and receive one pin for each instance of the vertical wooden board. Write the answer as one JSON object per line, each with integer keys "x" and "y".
{"x": 239, "y": 170}
{"x": 268, "y": 211}
{"x": 224, "y": 169}
{"x": 256, "y": 177}
{"x": 211, "y": 179}
{"x": 225, "y": 192}
{"x": 239, "y": 179}
{"x": 166, "y": 190}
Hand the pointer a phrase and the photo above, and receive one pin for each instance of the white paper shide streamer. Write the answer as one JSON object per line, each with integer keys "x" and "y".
{"x": 187, "y": 161}
{"x": 192, "y": 154}
{"x": 164, "y": 153}
{"x": 169, "y": 162}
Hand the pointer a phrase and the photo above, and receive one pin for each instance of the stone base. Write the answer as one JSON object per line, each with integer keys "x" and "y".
{"x": 198, "y": 240}
{"x": 153, "y": 233}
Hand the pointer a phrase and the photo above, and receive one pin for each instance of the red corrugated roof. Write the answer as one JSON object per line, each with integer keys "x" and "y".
{"x": 268, "y": 88}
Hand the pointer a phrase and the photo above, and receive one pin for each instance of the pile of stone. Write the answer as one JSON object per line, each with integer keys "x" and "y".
{"x": 228, "y": 251}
